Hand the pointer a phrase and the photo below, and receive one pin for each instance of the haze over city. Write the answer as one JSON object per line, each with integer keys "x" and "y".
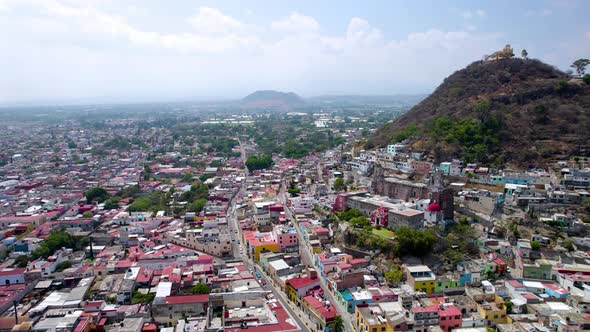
{"x": 73, "y": 51}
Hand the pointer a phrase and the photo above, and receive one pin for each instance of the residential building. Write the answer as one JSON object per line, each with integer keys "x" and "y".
{"x": 421, "y": 278}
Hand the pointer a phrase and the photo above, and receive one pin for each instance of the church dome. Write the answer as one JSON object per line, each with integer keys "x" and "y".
{"x": 434, "y": 207}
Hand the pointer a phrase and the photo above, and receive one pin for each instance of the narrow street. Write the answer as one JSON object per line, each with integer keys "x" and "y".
{"x": 306, "y": 254}
{"x": 296, "y": 313}
{"x": 239, "y": 252}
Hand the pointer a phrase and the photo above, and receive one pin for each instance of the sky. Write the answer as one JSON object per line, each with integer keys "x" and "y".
{"x": 148, "y": 50}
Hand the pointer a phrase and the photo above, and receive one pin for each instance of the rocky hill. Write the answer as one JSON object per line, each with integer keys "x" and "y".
{"x": 515, "y": 111}
{"x": 272, "y": 99}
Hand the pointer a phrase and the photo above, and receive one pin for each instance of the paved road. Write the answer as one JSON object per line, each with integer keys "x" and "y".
{"x": 233, "y": 227}
{"x": 305, "y": 251}
{"x": 296, "y": 313}
{"x": 236, "y": 234}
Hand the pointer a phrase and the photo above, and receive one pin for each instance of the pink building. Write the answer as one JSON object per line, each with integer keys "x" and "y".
{"x": 339, "y": 203}
{"x": 450, "y": 317}
{"x": 382, "y": 293}
{"x": 286, "y": 238}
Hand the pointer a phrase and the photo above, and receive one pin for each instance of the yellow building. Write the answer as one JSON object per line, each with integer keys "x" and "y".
{"x": 298, "y": 286}
{"x": 291, "y": 293}
{"x": 258, "y": 242}
{"x": 265, "y": 247}
{"x": 370, "y": 318}
{"x": 493, "y": 312}
{"x": 421, "y": 278}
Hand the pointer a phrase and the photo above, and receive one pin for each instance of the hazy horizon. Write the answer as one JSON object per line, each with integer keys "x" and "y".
{"x": 98, "y": 101}
{"x": 106, "y": 51}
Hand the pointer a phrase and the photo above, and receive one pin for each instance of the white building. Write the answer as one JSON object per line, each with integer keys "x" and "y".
{"x": 394, "y": 149}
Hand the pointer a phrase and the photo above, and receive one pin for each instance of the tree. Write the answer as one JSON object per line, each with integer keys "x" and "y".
{"x": 490, "y": 274}
{"x": 294, "y": 191}
{"x": 350, "y": 214}
{"x": 198, "y": 205}
{"x": 339, "y": 184}
{"x": 22, "y": 261}
{"x": 87, "y": 214}
{"x": 139, "y": 297}
{"x": 187, "y": 177}
{"x": 256, "y": 162}
{"x": 200, "y": 288}
{"x": 338, "y": 324}
{"x": 580, "y": 66}
{"x": 361, "y": 222}
{"x": 569, "y": 245}
{"x": 112, "y": 203}
{"x": 508, "y": 305}
{"x": 453, "y": 255}
{"x": 54, "y": 241}
{"x": 63, "y": 265}
{"x": 586, "y": 78}
{"x": 394, "y": 276}
{"x": 524, "y": 54}
{"x": 96, "y": 194}
{"x": 146, "y": 172}
{"x": 414, "y": 242}
{"x": 205, "y": 176}
{"x": 536, "y": 246}
{"x": 461, "y": 235}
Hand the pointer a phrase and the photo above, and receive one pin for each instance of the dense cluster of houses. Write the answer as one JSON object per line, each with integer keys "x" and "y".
{"x": 261, "y": 253}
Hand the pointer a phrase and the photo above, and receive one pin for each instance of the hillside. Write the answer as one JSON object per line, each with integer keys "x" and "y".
{"x": 272, "y": 99}
{"x": 516, "y": 111}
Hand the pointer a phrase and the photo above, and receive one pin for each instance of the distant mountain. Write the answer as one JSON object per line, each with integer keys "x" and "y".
{"x": 272, "y": 99}
{"x": 516, "y": 111}
{"x": 382, "y": 100}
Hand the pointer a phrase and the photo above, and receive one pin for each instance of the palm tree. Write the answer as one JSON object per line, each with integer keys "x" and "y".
{"x": 338, "y": 324}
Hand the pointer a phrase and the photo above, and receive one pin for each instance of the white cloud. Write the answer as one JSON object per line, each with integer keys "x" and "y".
{"x": 213, "y": 32}
{"x": 211, "y": 21}
{"x": 359, "y": 30}
{"x": 90, "y": 51}
{"x": 296, "y": 23}
{"x": 469, "y": 14}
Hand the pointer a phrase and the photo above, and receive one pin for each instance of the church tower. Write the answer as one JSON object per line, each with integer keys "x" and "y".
{"x": 442, "y": 195}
